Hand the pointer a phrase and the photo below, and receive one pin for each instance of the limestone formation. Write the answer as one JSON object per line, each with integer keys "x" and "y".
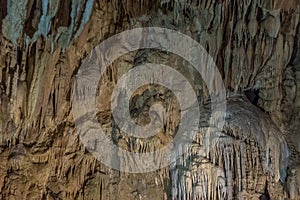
{"x": 254, "y": 43}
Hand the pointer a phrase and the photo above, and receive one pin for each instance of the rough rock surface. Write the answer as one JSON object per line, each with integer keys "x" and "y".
{"x": 256, "y": 47}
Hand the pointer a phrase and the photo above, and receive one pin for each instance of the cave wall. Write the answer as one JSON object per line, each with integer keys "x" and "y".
{"x": 255, "y": 45}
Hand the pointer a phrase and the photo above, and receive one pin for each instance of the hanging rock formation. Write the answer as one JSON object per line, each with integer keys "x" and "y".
{"x": 256, "y": 47}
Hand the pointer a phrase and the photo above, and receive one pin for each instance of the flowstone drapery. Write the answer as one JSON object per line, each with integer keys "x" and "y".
{"x": 255, "y": 45}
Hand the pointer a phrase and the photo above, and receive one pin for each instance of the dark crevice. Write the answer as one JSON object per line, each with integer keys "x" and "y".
{"x": 30, "y": 26}
{"x": 253, "y": 95}
{"x": 265, "y": 195}
{"x": 260, "y": 14}
{"x": 29, "y": 67}
{"x": 3, "y": 11}
{"x": 19, "y": 56}
{"x": 63, "y": 17}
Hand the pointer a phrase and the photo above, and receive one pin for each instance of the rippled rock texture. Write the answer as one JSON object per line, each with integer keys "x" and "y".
{"x": 256, "y": 47}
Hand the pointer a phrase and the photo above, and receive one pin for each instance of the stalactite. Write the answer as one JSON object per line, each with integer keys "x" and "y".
{"x": 250, "y": 42}
{"x": 232, "y": 178}
{"x": 12, "y": 27}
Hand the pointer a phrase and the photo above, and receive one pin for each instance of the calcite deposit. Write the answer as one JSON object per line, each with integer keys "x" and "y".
{"x": 255, "y": 45}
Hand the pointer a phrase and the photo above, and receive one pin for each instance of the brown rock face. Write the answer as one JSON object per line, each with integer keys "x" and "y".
{"x": 255, "y": 45}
